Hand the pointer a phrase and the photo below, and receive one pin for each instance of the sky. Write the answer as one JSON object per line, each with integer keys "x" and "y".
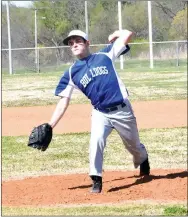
{"x": 22, "y": 3}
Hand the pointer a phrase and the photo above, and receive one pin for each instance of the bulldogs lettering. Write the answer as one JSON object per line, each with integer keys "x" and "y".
{"x": 101, "y": 70}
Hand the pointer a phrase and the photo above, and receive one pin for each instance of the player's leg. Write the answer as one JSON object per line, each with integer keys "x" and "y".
{"x": 125, "y": 123}
{"x": 130, "y": 138}
{"x": 100, "y": 129}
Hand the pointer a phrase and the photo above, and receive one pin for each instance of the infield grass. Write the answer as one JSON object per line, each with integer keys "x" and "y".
{"x": 68, "y": 153}
{"x": 111, "y": 210}
{"x": 32, "y": 89}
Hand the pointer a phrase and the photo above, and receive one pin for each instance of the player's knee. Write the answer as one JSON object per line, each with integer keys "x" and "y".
{"x": 99, "y": 138}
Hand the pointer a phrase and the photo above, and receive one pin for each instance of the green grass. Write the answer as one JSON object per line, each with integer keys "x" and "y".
{"x": 22, "y": 71}
{"x": 92, "y": 210}
{"x": 31, "y": 89}
{"x": 167, "y": 148}
{"x": 176, "y": 211}
{"x": 129, "y": 65}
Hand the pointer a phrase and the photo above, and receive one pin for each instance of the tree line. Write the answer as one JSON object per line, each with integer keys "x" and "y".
{"x": 56, "y": 18}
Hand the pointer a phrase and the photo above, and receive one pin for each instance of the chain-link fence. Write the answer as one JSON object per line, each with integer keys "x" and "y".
{"x": 35, "y": 40}
{"x": 57, "y": 58}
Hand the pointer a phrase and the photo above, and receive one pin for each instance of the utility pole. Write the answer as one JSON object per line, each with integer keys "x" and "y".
{"x": 150, "y": 34}
{"x": 120, "y": 28}
{"x": 9, "y": 39}
{"x": 86, "y": 18}
{"x": 36, "y": 44}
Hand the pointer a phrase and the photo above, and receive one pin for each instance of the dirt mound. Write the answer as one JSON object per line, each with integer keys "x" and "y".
{"x": 118, "y": 186}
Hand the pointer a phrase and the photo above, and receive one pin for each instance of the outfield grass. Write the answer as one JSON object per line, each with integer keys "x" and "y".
{"x": 31, "y": 89}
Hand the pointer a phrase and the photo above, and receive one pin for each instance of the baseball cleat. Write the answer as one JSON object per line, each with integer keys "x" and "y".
{"x": 144, "y": 168}
{"x": 97, "y": 184}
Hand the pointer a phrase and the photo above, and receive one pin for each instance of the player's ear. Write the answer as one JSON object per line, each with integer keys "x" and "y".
{"x": 87, "y": 43}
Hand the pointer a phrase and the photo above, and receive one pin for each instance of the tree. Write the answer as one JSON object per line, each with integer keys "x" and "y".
{"x": 163, "y": 14}
{"x": 55, "y": 21}
{"x": 75, "y": 13}
{"x": 170, "y": 8}
{"x": 178, "y": 28}
{"x": 52, "y": 24}
{"x": 21, "y": 35}
{"x": 4, "y": 28}
{"x": 135, "y": 18}
{"x": 103, "y": 20}
{"x": 20, "y": 27}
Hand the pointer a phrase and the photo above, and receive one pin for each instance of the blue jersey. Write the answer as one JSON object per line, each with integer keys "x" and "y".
{"x": 96, "y": 77}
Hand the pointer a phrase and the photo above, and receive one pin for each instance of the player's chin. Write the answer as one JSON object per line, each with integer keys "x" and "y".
{"x": 76, "y": 52}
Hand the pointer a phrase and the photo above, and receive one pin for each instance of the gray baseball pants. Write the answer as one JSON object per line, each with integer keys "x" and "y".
{"x": 124, "y": 122}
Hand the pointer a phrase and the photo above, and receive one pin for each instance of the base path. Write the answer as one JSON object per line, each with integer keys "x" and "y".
{"x": 150, "y": 114}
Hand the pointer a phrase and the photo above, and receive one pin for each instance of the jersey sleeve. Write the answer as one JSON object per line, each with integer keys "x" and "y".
{"x": 65, "y": 86}
{"x": 118, "y": 48}
{"x": 114, "y": 50}
{"x": 127, "y": 48}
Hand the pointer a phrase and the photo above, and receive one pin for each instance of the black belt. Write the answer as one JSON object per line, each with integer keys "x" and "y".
{"x": 111, "y": 109}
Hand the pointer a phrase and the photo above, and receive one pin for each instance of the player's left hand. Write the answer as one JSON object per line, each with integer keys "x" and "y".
{"x": 40, "y": 137}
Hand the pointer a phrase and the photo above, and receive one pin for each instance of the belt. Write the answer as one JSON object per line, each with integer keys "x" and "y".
{"x": 111, "y": 109}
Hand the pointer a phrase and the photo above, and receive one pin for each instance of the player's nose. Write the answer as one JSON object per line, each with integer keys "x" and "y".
{"x": 75, "y": 44}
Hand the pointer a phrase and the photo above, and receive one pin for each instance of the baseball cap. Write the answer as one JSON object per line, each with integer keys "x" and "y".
{"x": 75, "y": 33}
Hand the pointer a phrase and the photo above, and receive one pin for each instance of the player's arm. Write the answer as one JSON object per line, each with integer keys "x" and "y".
{"x": 121, "y": 38}
{"x": 64, "y": 90}
{"x": 109, "y": 47}
{"x": 59, "y": 111}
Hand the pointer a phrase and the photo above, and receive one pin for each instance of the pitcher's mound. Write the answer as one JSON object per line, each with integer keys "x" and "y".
{"x": 118, "y": 186}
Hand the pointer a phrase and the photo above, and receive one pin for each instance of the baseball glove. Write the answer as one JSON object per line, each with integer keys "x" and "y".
{"x": 40, "y": 137}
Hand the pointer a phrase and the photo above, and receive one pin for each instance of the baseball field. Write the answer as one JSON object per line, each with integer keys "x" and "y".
{"x": 56, "y": 182}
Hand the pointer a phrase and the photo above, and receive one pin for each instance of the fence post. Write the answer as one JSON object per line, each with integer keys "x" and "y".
{"x": 38, "y": 60}
{"x": 120, "y": 28}
{"x": 9, "y": 39}
{"x": 177, "y": 53}
{"x": 36, "y": 45}
{"x": 150, "y": 34}
{"x": 86, "y": 18}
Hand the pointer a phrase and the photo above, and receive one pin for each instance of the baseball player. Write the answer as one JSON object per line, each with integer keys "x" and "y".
{"x": 95, "y": 75}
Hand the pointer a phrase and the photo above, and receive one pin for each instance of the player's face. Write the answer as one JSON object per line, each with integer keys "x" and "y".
{"x": 78, "y": 46}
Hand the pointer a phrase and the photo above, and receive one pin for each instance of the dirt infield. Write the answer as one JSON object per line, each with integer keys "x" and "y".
{"x": 118, "y": 186}
{"x": 151, "y": 114}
